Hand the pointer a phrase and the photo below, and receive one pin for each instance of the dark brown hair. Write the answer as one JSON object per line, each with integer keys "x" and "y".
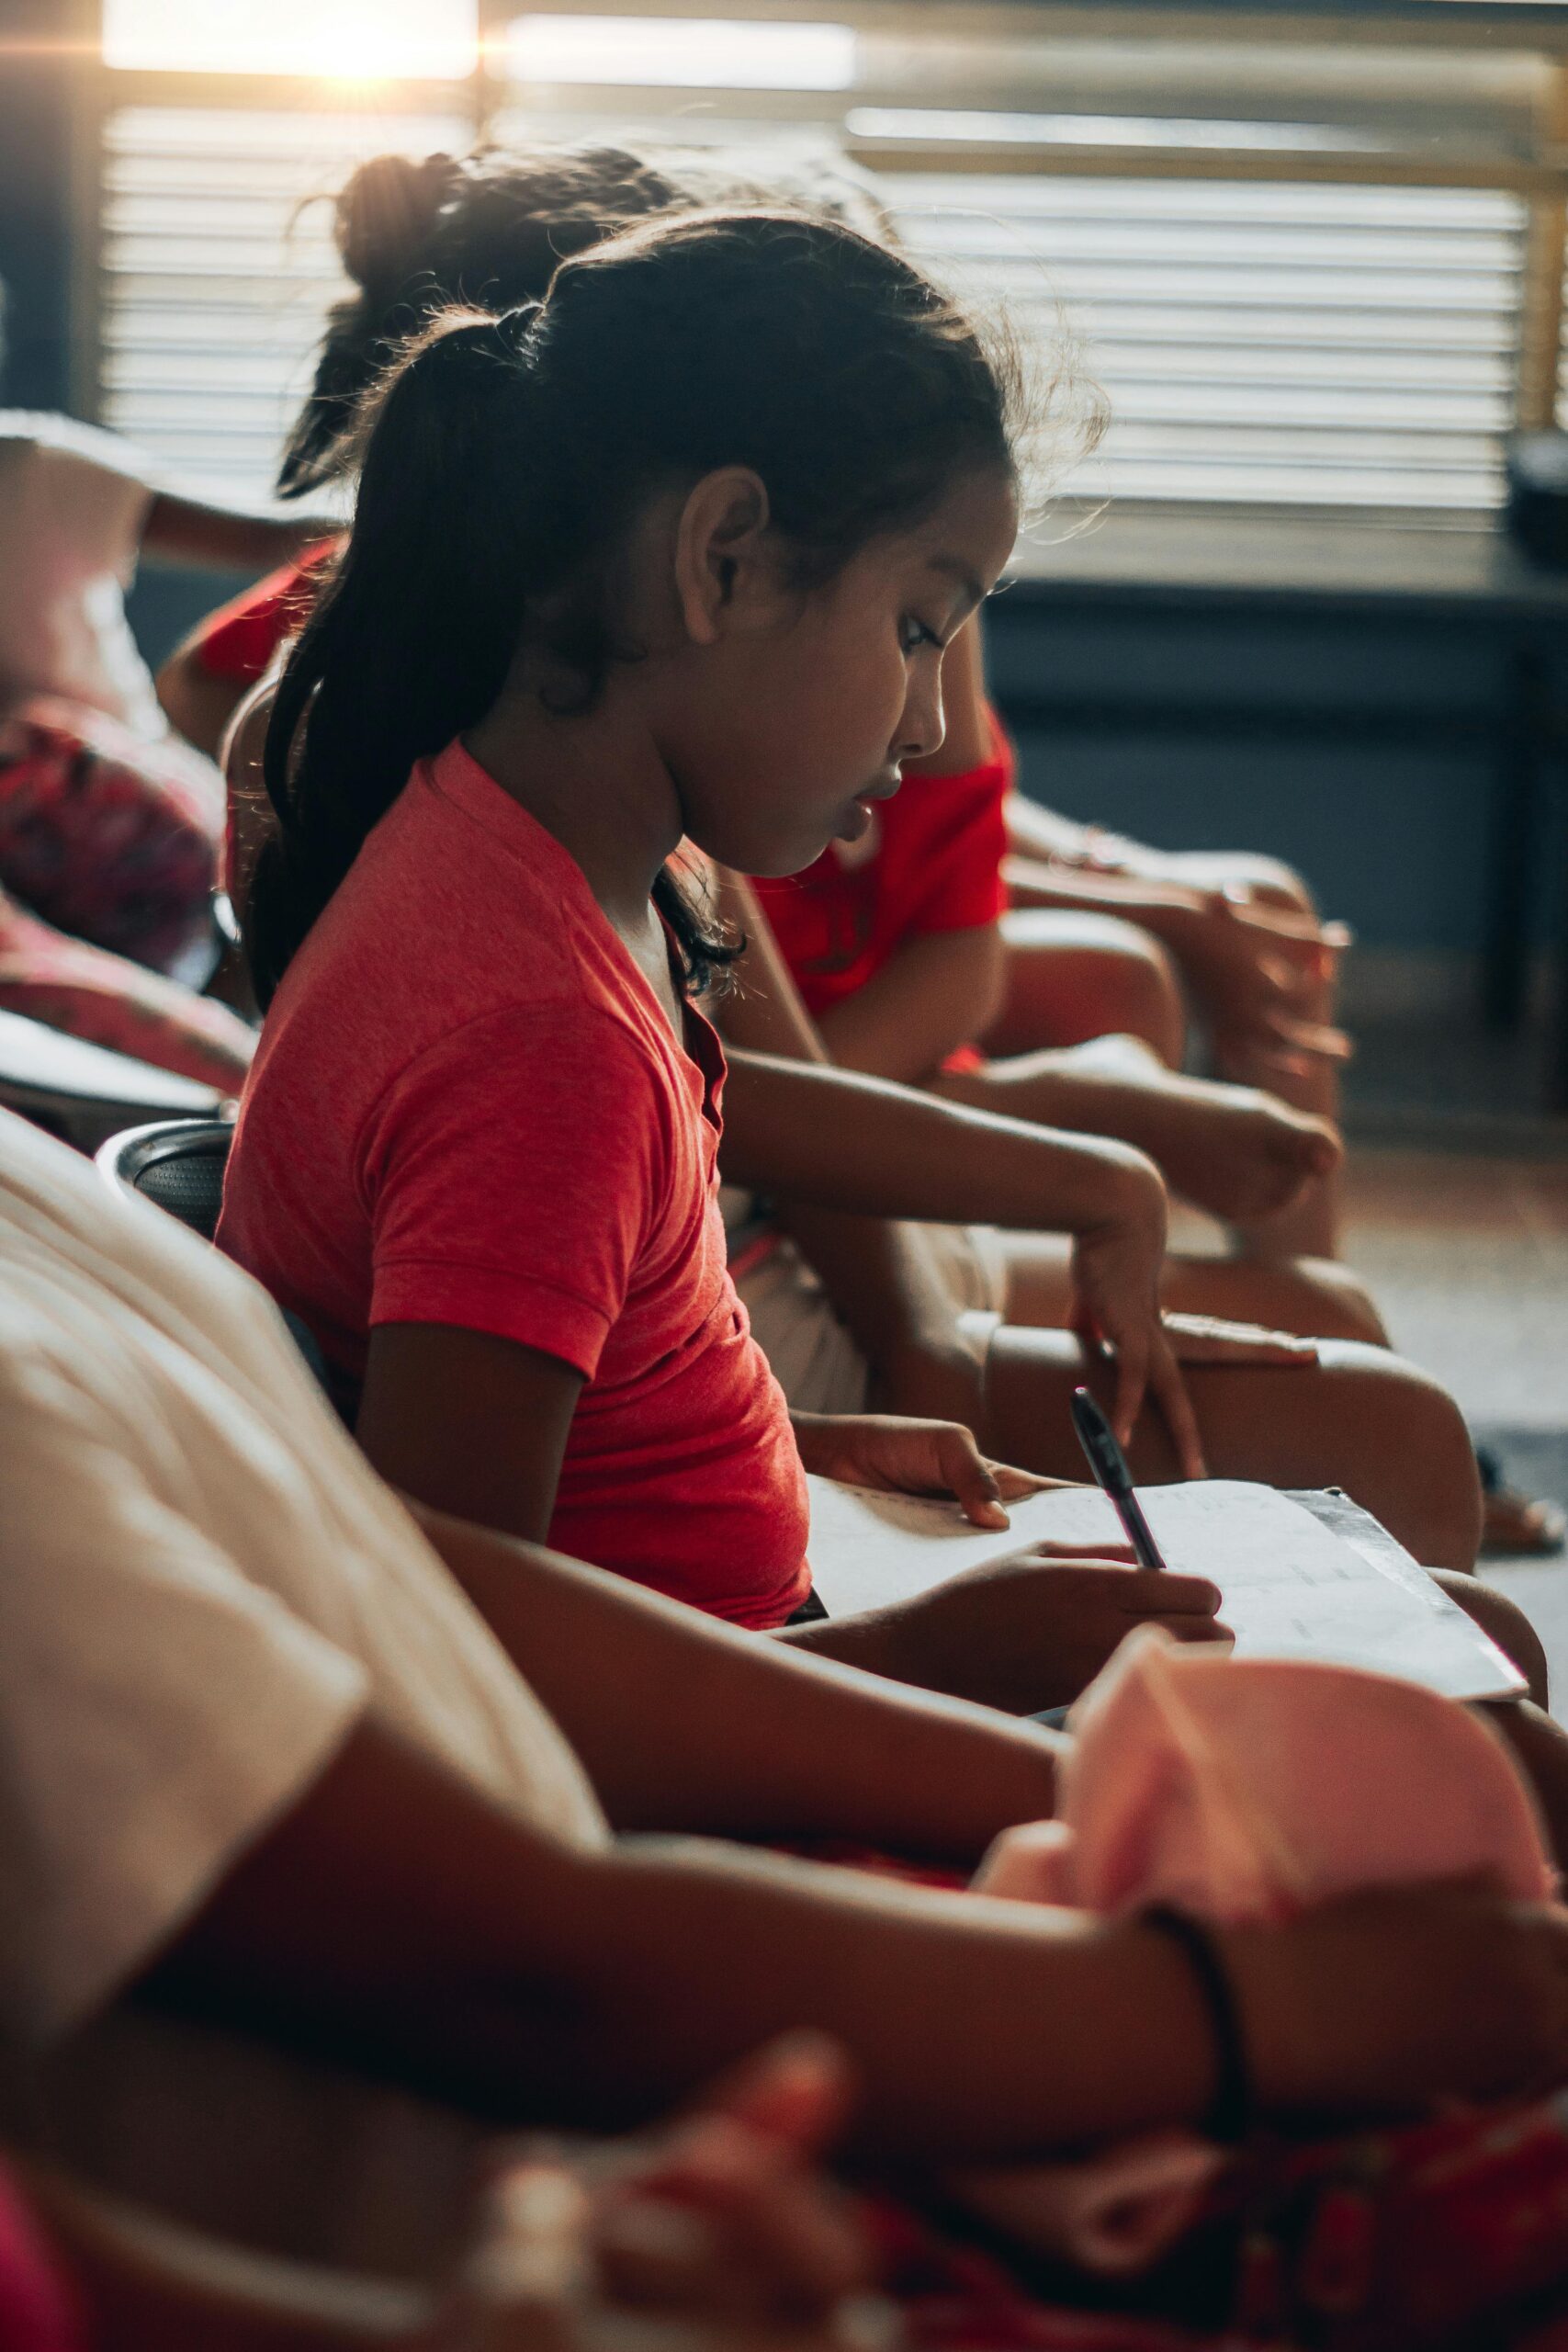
{"x": 489, "y": 230}
{"x": 504, "y": 459}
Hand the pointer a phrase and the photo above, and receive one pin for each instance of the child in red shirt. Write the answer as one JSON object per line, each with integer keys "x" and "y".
{"x": 901, "y": 955}
{"x": 930, "y": 862}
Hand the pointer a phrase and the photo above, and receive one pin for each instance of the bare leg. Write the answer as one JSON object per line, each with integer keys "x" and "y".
{"x": 1360, "y": 1419}
{"x": 1318, "y": 1298}
{"x": 1071, "y": 976}
{"x": 1309, "y": 1227}
{"x": 1509, "y": 1626}
{"x": 1541, "y": 1747}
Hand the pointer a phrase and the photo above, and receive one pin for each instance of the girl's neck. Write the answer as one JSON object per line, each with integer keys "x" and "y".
{"x": 597, "y": 782}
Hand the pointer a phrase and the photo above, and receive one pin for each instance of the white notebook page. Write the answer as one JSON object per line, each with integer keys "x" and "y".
{"x": 1293, "y": 1588}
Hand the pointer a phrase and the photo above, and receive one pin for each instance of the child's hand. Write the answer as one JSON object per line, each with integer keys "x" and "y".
{"x": 1032, "y": 1630}
{"x": 1212, "y": 1338}
{"x": 898, "y": 1457}
{"x": 1116, "y": 1311}
{"x": 1263, "y": 976}
{"x": 718, "y": 2229}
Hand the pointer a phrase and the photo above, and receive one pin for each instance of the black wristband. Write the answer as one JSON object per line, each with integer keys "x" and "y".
{"x": 1229, "y": 2113}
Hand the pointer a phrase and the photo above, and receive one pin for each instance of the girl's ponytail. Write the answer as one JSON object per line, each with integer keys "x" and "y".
{"x": 411, "y": 639}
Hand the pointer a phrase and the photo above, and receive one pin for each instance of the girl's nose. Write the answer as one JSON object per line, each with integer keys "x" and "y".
{"x": 924, "y": 723}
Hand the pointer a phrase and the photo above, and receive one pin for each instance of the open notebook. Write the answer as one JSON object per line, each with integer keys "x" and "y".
{"x": 1317, "y": 1577}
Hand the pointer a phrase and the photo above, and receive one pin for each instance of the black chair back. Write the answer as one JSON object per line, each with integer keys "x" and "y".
{"x": 179, "y": 1164}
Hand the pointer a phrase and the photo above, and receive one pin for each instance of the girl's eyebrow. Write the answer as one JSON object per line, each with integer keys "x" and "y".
{"x": 953, "y": 566}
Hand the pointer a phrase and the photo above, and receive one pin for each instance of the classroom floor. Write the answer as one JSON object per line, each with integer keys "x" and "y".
{"x": 1467, "y": 1255}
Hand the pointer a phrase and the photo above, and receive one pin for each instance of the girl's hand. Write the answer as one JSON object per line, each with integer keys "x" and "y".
{"x": 1116, "y": 1309}
{"x": 719, "y": 2230}
{"x": 896, "y": 1456}
{"x": 1384, "y": 2001}
{"x": 1032, "y": 1630}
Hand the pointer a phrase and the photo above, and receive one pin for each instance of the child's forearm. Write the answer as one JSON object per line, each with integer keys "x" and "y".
{"x": 398, "y": 1917}
{"x": 683, "y": 1723}
{"x": 840, "y": 1141}
{"x": 190, "y": 530}
{"x": 978, "y": 2030}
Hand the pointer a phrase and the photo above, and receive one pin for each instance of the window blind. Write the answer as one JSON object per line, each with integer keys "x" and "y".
{"x": 1317, "y": 335}
{"x": 214, "y": 283}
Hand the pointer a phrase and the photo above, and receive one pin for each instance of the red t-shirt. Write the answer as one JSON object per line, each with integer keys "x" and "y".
{"x": 467, "y": 1108}
{"x": 240, "y": 639}
{"x": 933, "y": 860}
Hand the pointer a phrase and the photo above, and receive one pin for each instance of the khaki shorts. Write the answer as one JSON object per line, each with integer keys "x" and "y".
{"x": 811, "y": 1355}
{"x": 813, "y": 1358}
{"x": 973, "y": 1259}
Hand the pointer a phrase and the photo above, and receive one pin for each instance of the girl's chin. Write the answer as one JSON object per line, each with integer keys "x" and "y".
{"x": 858, "y": 822}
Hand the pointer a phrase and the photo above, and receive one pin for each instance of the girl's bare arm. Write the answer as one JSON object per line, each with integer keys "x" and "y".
{"x": 842, "y": 1140}
{"x": 396, "y": 1916}
{"x": 940, "y": 990}
{"x": 683, "y": 1723}
{"x": 234, "y": 539}
{"x": 835, "y": 1138}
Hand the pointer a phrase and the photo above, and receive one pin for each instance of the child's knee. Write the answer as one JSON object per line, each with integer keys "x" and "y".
{"x": 1506, "y": 1625}
{"x": 1140, "y": 994}
{"x": 1277, "y": 885}
{"x": 1347, "y": 1300}
{"x": 1418, "y": 1453}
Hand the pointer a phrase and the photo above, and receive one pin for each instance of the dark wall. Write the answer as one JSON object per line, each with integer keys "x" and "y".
{"x": 1370, "y": 757}
{"x": 36, "y": 227}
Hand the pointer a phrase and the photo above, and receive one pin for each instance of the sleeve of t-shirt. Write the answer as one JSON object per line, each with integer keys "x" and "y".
{"x": 963, "y": 851}
{"x": 513, "y": 1173}
{"x": 240, "y": 639}
{"x": 964, "y": 843}
{"x": 158, "y": 1711}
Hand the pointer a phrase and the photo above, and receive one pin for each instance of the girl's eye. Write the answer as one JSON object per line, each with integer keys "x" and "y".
{"x": 914, "y": 634}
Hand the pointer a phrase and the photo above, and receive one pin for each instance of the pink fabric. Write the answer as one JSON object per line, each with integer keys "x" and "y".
{"x": 37, "y": 2311}
{"x": 1240, "y": 1789}
{"x": 1252, "y": 1788}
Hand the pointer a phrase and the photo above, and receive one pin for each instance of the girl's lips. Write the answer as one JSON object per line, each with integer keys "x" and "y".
{"x": 864, "y": 808}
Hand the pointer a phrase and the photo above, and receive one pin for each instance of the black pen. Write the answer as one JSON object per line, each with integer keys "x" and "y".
{"x": 1112, "y": 1477}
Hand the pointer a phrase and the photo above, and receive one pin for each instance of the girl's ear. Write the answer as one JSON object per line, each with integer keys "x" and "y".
{"x": 719, "y": 566}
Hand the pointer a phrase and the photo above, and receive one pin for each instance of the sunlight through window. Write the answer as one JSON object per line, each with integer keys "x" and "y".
{"x": 350, "y": 40}
{"x": 694, "y": 53}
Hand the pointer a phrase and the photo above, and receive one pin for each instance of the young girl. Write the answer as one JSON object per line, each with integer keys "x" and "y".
{"x": 479, "y": 1153}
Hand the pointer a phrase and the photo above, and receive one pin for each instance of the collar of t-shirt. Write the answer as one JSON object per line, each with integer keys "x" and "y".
{"x": 460, "y": 780}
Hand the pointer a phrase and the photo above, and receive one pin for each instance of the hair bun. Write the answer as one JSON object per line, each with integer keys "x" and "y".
{"x": 387, "y": 216}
